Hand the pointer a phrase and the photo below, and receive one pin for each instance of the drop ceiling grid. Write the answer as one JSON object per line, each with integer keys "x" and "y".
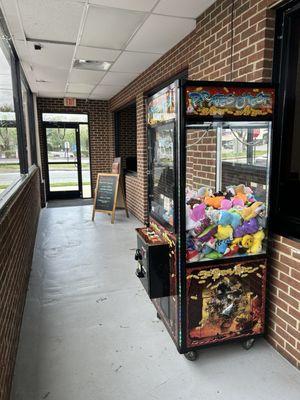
{"x": 146, "y": 29}
{"x": 134, "y": 33}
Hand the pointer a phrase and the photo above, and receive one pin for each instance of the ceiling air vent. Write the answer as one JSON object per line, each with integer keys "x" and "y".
{"x": 92, "y": 65}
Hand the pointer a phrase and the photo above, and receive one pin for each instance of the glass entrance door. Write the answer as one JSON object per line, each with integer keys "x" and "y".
{"x": 63, "y": 161}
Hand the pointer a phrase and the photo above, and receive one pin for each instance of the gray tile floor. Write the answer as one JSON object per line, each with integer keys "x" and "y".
{"x": 90, "y": 333}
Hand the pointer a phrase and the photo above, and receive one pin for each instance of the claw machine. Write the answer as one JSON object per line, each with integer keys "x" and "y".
{"x": 202, "y": 258}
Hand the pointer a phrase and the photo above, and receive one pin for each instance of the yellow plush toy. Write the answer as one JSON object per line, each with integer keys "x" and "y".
{"x": 247, "y": 241}
{"x": 252, "y": 211}
{"x": 256, "y": 247}
{"x": 224, "y": 232}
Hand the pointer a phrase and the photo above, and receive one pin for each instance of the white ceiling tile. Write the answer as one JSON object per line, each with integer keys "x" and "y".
{"x": 51, "y": 94}
{"x": 118, "y": 78}
{"x": 42, "y": 73}
{"x": 180, "y": 8}
{"x": 58, "y": 56}
{"x": 96, "y": 54}
{"x": 96, "y": 96}
{"x": 85, "y": 76}
{"x": 139, "y": 5}
{"x": 80, "y": 88}
{"x": 52, "y": 20}
{"x": 77, "y": 95}
{"x": 51, "y": 87}
{"x": 110, "y": 28}
{"x": 134, "y": 62}
{"x": 105, "y": 91}
{"x": 10, "y": 13}
{"x": 158, "y": 34}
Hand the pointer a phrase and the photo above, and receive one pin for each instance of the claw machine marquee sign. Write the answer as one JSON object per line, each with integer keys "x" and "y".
{"x": 217, "y": 101}
{"x": 161, "y": 107}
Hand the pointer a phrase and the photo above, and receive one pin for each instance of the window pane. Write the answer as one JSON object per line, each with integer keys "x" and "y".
{"x": 85, "y": 160}
{"x": 9, "y": 159}
{"x": 290, "y": 167}
{"x": 244, "y": 156}
{"x": 61, "y": 145}
{"x": 55, "y": 117}
{"x": 63, "y": 177}
{"x": 162, "y": 172}
{"x": 227, "y": 168}
{"x": 26, "y": 122}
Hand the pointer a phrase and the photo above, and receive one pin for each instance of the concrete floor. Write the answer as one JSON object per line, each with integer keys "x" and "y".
{"x": 90, "y": 333}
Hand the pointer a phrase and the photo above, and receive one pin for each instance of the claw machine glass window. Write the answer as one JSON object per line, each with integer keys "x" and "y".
{"x": 161, "y": 148}
{"x": 227, "y": 175}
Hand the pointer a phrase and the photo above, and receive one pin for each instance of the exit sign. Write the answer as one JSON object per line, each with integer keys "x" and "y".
{"x": 69, "y": 102}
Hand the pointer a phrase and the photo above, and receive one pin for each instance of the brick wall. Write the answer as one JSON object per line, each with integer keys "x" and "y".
{"x": 127, "y": 141}
{"x": 200, "y": 161}
{"x": 284, "y": 298}
{"x": 100, "y": 130}
{"x": 18, "y": 226}
{"x": 206, "y": 53}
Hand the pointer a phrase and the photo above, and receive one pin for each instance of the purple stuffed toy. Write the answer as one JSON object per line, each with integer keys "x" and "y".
{"x": 198, "y": 212}
{"x": 247, "y": 228}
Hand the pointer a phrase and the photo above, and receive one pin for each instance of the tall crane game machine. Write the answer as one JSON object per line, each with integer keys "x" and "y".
{"x": 202, "y": 257}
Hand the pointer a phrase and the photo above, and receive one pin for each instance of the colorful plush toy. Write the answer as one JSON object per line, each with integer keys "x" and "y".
{"x": 229, "y": 218}
{"x": 226, "y": 204}
{"x": 214, "y": 202}
{"x": 247, "y": 228}
{"x": 213, "y": 215}
{"x": 256, "y": 247}
{"x": 199, "y": 228}
{"x": 207, "y": 233}
{"x": 224, "y": 232}
{"x": 222, "y": 246}
{"x": 209, "y": 246}
{"x": 233, "y": 250}
{"x": 247, "y": 241}
{"x": 237, "y": 202}
{"x": 253, "y": 210}
{"x": 197, "y": 213}
{"x": 192, "y": 255}
{"x": 242, "y": 197}
{"x": 190, "y": 224}
{"x": 214, "y": 255}
{"x": 204, "y": 192}
{"x": 193, "y": 201}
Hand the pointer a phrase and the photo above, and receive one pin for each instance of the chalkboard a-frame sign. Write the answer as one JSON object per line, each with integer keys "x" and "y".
{"x": 106, "y": 195}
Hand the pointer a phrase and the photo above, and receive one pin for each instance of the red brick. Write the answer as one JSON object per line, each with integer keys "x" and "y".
{"x": 286, "y": 317}
{"x": 288, "y": 299}
{"x": 18, "y": 226}
{"x": 289, "y": 338}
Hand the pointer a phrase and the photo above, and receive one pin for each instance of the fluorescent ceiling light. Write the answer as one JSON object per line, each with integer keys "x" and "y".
{"x": 92, "y": 65}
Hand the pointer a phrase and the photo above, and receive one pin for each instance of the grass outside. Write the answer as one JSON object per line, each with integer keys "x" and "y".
{"x": 63, "y": 184}
{"x": 7, "y": 167}
{"x": 233, "y": 155}
{"x": 55, "y": 184}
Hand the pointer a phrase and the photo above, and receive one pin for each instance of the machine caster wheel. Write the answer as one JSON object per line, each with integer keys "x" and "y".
{"x": 158, "y": 316}
{"x": 191, "y": 355}
{"x": 247, "y": 344}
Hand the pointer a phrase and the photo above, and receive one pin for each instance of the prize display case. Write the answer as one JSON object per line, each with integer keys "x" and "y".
{"x": 202, "y": 257}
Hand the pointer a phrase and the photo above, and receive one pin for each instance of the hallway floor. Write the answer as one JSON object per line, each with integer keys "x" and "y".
{"x": 90, "y": 333}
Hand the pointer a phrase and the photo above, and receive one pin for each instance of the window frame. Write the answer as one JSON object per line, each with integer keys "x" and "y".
{"x": 280, "y": 223}
{"x": 18, "y": 76}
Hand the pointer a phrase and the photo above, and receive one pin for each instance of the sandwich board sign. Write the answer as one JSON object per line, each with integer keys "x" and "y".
{"x": 108, "y": 193}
